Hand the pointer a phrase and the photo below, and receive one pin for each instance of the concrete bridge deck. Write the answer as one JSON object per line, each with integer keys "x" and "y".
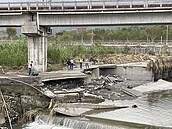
{"x": 62, "y": 74}
{"x": 84, "y": 5}
{"x": 42, "y": 77}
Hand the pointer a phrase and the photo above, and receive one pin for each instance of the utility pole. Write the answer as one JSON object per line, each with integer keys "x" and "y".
{"x": 146, "y": 3}
{"x": 92, "y": 37}
{"x": 167, "y": 36}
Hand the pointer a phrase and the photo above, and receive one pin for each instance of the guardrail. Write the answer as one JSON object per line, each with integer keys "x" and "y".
{"x": 84, "y": 5}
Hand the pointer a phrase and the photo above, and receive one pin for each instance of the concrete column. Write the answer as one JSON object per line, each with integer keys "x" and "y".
{"x": 95, "y": 73}
{"x": 37, "y": 51}
{"x": 161, "y": 3}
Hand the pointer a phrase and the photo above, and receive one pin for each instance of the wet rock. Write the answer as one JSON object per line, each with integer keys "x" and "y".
{"x": 134, "y": 106}
{"x": 68, "y": 97}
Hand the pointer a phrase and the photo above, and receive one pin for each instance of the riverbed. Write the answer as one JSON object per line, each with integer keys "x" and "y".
{"x": 152, "y": 110}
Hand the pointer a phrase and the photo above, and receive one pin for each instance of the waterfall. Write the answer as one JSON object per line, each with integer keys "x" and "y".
{"x": 80, "y": 124}
{"x": 65, "y": 123}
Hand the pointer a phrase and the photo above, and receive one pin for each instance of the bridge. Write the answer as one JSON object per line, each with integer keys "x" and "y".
{"x": 37, "y": 18}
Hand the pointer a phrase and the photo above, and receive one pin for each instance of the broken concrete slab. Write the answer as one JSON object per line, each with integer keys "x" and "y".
{"x": 71, "y": 111}
{"x": 64, "y": 91}
{"x": 131, "y": 92}
{"x": 78, "y": 109}
{"x": 160, "y": 85}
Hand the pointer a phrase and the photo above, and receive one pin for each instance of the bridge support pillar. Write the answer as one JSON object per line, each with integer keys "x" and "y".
{"x": 37, "y": 45}
{"x": 37, "y": 52}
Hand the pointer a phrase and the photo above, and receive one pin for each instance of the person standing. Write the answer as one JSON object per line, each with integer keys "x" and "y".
{"x": 87, "y": 63}
{"x": 71, "y": 65}
{"x": 30, "y": 67}
{"x": 81, "y": 62}
{"x": 68, "y": 64}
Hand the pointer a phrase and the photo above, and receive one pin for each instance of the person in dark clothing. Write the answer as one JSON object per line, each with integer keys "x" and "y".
{"x": 68, "y": 64}
{"x": 81, "y": 62}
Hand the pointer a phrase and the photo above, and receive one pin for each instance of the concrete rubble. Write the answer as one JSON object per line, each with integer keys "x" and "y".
{"x": 113, "y": 87}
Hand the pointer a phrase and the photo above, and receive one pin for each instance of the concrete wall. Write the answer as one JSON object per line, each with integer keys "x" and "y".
{"x": 107, "y": 71}
{"x": 134, "y": 73}
{"x": 131, "y": 71}
{"x": 29, "y": 80}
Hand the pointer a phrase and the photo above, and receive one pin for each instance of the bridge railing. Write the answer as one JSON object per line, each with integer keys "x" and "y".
{"x": 84, "y": 4}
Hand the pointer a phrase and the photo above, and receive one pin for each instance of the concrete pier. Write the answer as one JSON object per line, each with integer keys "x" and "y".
{"x": 37, "y": 45}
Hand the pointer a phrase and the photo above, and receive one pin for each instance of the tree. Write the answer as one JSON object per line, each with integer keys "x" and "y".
{"x": 153, "y": 32}
{"x": 81, "y": 31}
{"x": 11, "y": 32}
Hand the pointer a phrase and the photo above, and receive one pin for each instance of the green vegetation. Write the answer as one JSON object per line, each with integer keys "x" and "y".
{"x": 13, "y": 54}
{"x": 126, "y": 35}
{"x": 69, "y": 44}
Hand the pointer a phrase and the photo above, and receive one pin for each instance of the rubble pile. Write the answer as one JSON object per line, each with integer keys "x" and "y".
{"x": 111, "y": 87}
{"x": 159, "y": 64}
{"x": 120, "y": 59}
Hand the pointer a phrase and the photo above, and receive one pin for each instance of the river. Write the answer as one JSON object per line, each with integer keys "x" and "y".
{"x": 153, "y": 111}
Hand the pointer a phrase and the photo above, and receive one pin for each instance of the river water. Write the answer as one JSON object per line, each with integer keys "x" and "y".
{"x": 153, "y": 111}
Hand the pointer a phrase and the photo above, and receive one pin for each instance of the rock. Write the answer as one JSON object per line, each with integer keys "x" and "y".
{"x": 134, "y": 106}
{"x": 2, "y": 119}
{"x": 48, "y": 93}
{"x": 68, "y": 97}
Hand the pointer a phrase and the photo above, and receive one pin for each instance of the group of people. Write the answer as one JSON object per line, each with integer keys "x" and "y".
{"x": 70, "y": 63}
{"x": 70, "y": 66}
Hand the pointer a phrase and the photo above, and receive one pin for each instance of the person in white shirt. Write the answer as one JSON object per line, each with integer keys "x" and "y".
{"x": 71, "y": 65}
{"x": 30, "y": 67}
{"x": 87, "y": 63}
